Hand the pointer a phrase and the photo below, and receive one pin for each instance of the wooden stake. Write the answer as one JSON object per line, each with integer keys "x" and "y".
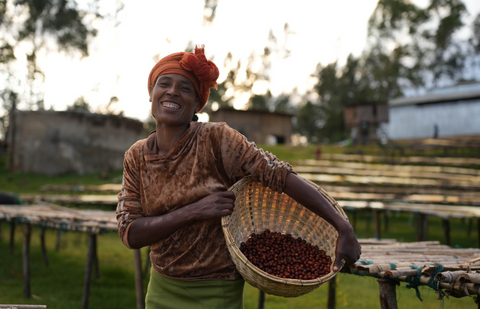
{"x": 446, "y": 230}
{"x": 261, "y": 300}
{"x": 139, "y": 279}
{"x": 88, "y": 270}
{"x": 331, "y": 293}
{"x": 26, "y": 261}
{"x": 376, "y": 219}
{"x": 44, "y": 249}
{"x": 388, "y": 293}
{"x": 13, "y": 225}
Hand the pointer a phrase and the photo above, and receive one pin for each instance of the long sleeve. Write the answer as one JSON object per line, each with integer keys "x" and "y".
{"x": 129, "y": 205}
{"x": 241, "y": 157}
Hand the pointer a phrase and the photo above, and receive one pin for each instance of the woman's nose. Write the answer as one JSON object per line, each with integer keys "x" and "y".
{"x": 172, "y": 90}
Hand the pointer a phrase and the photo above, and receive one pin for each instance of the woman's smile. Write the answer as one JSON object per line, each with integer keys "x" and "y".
{"x": 171, "y": 105}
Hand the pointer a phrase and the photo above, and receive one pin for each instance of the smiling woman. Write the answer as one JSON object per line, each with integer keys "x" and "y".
{"x": 175, "y": 191}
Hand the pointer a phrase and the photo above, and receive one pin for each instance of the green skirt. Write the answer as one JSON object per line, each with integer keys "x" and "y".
{"x": 166, "y": 293}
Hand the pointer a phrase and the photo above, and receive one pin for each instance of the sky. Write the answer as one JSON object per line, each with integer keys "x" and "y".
{"x": 122, "y": 56}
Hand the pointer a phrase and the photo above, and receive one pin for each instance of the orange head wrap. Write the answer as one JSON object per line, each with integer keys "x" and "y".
{"x": 202, "y": 72}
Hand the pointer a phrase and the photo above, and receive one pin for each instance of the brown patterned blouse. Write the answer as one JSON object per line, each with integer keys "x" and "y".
{"x": 208, "y": 158}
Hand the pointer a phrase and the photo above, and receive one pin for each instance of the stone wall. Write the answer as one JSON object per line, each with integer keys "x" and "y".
{"x": 53, "y": 143}
{"x": 261, "y": 127}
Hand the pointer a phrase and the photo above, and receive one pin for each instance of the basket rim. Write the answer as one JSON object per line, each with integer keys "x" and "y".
{"x": 241, "y": 257}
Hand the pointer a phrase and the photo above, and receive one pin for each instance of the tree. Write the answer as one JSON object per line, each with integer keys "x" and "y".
{"x": 409, "y": 48}
{"x": 32, "y": 27}
{"x": 79, "y": 105}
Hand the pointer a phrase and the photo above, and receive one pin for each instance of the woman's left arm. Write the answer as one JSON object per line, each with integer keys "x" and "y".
{"x": 347, "y": 247}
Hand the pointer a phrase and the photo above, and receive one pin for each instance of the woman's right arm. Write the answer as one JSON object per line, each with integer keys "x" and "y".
{"x": 148, "y": 230}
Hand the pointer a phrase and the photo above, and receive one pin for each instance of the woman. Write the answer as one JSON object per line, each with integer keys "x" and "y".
{"x": 175, "y": 185}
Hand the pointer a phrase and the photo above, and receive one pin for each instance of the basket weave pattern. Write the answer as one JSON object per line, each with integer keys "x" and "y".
{"x": 258, "y": 208}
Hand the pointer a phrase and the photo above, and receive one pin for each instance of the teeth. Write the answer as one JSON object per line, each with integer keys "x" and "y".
{"x": 171, "y": 105}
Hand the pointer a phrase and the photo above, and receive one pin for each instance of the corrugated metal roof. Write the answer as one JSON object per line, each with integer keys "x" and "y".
{"x": 449, "y": 94}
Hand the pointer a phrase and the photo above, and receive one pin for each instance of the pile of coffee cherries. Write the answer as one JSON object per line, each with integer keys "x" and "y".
{"x": 285, "y": 256}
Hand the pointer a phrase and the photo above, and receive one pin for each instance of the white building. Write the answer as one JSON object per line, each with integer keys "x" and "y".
{"x": 451, "y": 111}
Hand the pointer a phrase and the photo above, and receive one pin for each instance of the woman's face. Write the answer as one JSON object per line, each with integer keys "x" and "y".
{"x": 174, "y": 100}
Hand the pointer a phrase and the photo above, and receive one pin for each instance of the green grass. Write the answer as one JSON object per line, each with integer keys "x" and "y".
{"x": 61, "y": 284}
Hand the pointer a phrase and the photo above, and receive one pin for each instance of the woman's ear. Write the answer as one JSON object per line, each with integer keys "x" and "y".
{"x": 199, "y": 105}
{"x": 150, "y": 93}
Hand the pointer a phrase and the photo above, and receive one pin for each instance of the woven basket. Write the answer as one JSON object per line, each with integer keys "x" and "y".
{"x": 258, "y": 208}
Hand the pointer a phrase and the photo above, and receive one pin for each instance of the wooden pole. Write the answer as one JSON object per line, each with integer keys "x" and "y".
{"x": 13, "y": 225}
{"x": 388, "y": 293}
{"x": 376, "y": 219}
{"x": 44, "y": 249}
{"x": 446, "y": 230}
{"x": 261, "y": 300}
{"x": 332, "y": 284}
{"x": 26, "y": 261}
{"x": 139, "y": 279}
{"x": 88, "y": 270}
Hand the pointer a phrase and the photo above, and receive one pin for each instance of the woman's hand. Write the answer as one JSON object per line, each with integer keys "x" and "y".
{"x": 348, "y": 248}
{"x": 215, "y": 205}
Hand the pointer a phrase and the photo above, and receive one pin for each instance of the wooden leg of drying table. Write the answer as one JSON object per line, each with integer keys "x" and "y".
{"x": 388, "y": 293}
{"x": 418, "y": 226}
{"x": 425, "y": 227}
{"x": 44, "y": 249}
{"x": 26, "y": 261}
{"x": 88, "y": 270}
{"x": 446, "y": 230}
{"x": 376, "y": 219}
{"x": 13, "y": 225}
{"x": 139, "y": 279}
{"x": 331, "y": 293}
{"x": 261, "y": 300}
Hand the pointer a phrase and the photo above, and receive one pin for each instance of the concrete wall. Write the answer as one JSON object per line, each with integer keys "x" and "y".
{"x": 259, "y": 127}
{"x": 52, "y": 143}
{"x": 418, "y": 121}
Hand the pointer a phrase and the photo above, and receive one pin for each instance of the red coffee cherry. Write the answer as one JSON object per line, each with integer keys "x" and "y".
{"x": 285, "y": 256}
